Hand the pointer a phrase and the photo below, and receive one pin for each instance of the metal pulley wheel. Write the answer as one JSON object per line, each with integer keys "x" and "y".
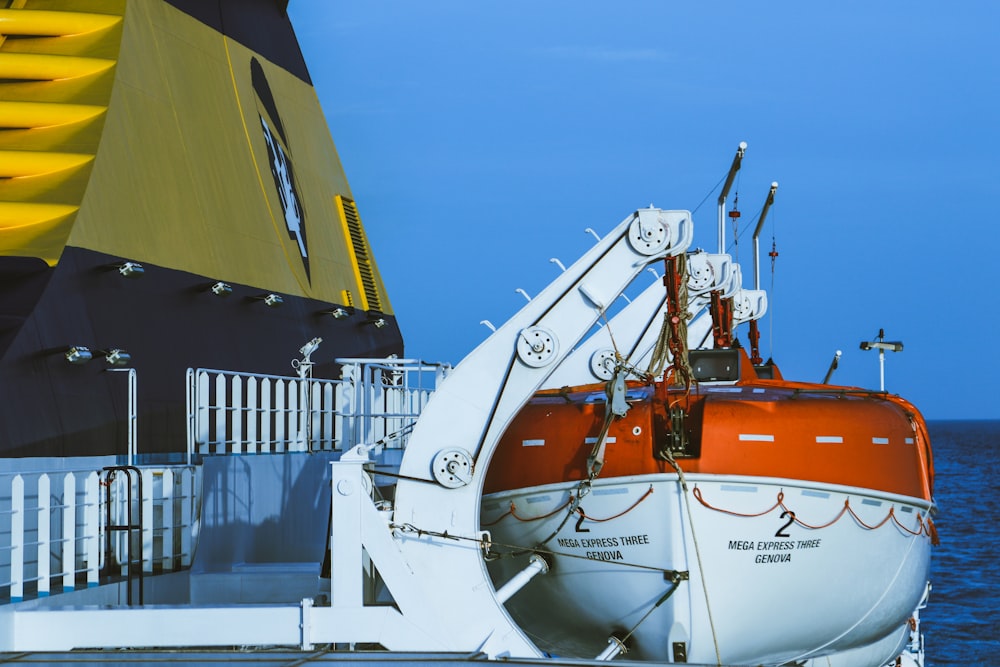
{"x": 649, "y": 233}
{"x": 602, "y": 364}
{"x": 537, "y": 346}
{"x": 452, "y": 468}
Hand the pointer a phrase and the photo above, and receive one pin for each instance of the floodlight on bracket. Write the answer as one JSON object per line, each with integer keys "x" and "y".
{"x": 117, "y": 357}
{"x": 79, "y": 355}
{"x": 881, "y": 344}
{"x": 270, "y": 300}
{"x": 221, "y": 289}
{"x": 130, "y": 269}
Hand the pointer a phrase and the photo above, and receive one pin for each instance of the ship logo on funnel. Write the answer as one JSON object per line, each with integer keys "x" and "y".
{"x": 279, "y": 156}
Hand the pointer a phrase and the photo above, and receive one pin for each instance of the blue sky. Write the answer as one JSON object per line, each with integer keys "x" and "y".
{"x": 482, "y": 138}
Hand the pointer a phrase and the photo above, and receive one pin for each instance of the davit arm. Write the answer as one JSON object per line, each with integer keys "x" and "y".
{"x": 438, "y": 572}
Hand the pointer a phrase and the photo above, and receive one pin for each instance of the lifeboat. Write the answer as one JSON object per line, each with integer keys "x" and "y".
{"x": 755, "y": 520}
{"x": 714, "y": 512}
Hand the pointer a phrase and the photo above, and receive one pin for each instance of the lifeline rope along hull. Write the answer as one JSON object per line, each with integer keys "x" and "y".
{"x": 761, "y": 598}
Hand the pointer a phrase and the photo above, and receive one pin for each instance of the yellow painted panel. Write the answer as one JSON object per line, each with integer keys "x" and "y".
{"x": 19, "y": 164}
{"x": 23, "y": 214}
{"x": 44, "y": 67}
{"x": 45, "y": 238}
{"x": 51, "y": 23}
{"x": 44, "y": 114}
{"x": 182, "y": 177}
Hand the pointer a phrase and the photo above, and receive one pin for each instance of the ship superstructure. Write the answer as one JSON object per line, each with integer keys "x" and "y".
{"x": 171, "y": 198}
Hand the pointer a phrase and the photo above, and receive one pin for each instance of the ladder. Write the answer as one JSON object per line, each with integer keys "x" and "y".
{"x": 131, "y": 528}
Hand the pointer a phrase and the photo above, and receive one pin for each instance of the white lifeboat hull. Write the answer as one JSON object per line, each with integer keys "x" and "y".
{"x": 757, "y": 586}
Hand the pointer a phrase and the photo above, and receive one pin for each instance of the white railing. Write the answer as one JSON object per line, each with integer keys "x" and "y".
{"x": 53, "y": 527}
{"x": 241, "y": 413}
{"x": 377, "y": 400}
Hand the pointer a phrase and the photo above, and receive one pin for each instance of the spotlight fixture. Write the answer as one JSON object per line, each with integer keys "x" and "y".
{"x": 338, "y": 313}
{"x": 881, "y": 344}
{"x": 117, "y": 357}
{"x": 131, "y": 269}
{"x": 310, "y": 347}
{"x": 222, "y": 289}
{"x": 378, "y": 323}
{"x": 270, "y": 300}
{"x": 78, "y": 354}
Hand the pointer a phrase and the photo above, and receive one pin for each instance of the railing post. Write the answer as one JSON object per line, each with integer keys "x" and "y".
{"x": 133, "y": 416}
{"x": 167, "y": 552}
{"x": 254, "y": 414}
{"x": 17, "y": 552}
{"x": 44, "y": 533}
{"x": 204, "y": 413}
{"x": 327, "y": 411}
{"x": 91, "y": 529}
{"x": 186, "y": 504}
{"x": 146, "y": 508}
{"x": 189, "y": 401}
{"x": 236, "y": 410}
{"x": 280, "y": 417}
{"x": 220, "y": 413}
{"x": 69, "y": 532}
{"x": 293, "y": 416}
{"x": 265, "y": 412}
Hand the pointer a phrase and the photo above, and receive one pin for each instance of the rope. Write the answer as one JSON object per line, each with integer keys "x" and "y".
{"x": 578, "y": 510}
{"x": 697, "y": 552}
{"x": 648, "y": 493}
{"x": 846, "y": 509}
{"x": 675, "y": 582}
{"x": 661, "y": 351}
{"x": 698, "y": 496}
{"x": 771, "y": 293}
{"x": 398, "y": 476}
{"x": 595, "y": 462}
{"x": 672, "y": 341}
{"x": 710, "y": 193}
{"x": 516, "y": 549}
{"x": 513, "y": 512}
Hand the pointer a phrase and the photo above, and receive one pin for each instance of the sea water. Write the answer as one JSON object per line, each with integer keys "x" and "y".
{"x": 961, "y": 624}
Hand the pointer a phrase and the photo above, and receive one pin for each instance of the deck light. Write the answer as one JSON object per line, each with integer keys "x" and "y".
{"x": 222, "y": 289}
{"x": 270, "y": 300}
{"x": 378, "y": 323}
{"x": 338, "y": 313}
{"x": 78, "y": 354}
{"x": 882, "y": 345}
{"x": 131, "y": 269}
{"x": 117, "y": 357}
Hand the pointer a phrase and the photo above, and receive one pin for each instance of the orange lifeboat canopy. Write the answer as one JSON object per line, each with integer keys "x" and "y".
{"x": 757, "y": 428}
